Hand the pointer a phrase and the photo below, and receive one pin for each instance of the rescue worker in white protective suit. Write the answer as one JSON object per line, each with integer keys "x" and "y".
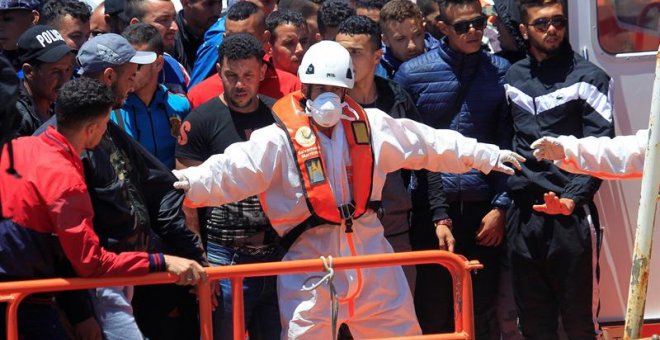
{"x": 320, "y": 171}
{"x": 603, "y": 157}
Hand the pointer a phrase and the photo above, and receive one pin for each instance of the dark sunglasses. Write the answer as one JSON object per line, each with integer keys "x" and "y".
{"x": 462, "y": 27}
{"x": 543, "y": 24}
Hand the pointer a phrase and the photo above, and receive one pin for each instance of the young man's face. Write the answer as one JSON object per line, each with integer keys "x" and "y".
{"x": 371, "y": 13}
{"x": 364, "y": 54}
{"x": 123, "y": 82}
{"x": 46, "y": 79}
{"x": 405, "y": 39}
{"x": 464, "y": 27}
{"x": 74, "y": 31}
{"x": 545, "y": 28}
{"x": 161, "y": 14}
{"x": 13, "y": 23}
{"x": 289, "y": 45}
{"x": 97, "y": 23}
{"x": 203, "y": 13}
{"x": 240, "y": 79}
{"x": 431, "y": 22}
{"x": 147, "y": 74}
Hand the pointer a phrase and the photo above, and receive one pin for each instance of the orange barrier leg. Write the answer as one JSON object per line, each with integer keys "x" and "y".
{"x": 237, "y": 306}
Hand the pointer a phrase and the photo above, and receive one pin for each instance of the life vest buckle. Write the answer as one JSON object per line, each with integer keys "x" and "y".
{"x": 346, "y": 211}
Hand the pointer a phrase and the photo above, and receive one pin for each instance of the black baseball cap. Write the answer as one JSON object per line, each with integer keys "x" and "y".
{"x": 42, "y": 43}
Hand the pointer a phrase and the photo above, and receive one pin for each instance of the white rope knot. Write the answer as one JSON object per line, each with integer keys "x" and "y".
{"x": 327, "y": 279}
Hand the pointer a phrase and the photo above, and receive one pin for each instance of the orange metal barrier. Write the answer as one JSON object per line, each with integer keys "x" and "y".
{"x": 14, "y": 292}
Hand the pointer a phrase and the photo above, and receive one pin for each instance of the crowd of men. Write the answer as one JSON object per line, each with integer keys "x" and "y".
{"x": 294, "y": 129}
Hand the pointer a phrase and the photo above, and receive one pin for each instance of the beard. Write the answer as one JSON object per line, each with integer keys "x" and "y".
{"x": 119, "y": 98}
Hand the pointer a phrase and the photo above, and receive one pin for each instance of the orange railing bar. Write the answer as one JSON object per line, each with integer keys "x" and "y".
{"x": 459, "y": 268}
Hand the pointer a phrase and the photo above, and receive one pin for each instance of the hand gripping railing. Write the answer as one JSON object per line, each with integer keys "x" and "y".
{"x": 14, "y": 292}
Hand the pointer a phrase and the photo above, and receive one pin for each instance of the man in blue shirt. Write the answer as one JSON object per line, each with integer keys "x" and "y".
{"x": 151, "y": 114}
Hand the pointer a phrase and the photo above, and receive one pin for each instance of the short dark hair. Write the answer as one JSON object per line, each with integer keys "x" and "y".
{"x": 524, "y": 5}
{"x": 241, "y": 10}
{"x": 332, "y": 13}
{"x": 135, "y": 9}
{"x": 306, "y": 8}
{"x": 399, "y": 10}
{"x": 359, "y": 24}
{"x": 240, "y": 46}
{"x": 142, "y": 33}
{"x": 444, "y": 4}
{"x": 81, "y": 100}
{"x": 427, "y": 6}
{"x": 54, "y": 10}
{"x": 283, "y": 17}
{"x": 371, "y": 4}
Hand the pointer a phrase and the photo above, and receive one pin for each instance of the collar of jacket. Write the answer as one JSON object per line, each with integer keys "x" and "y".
{"x": 563, "y": 57}
{"x": 160, "y": 96}
{"x": 387, "y": 88}
{"x": 55, "y": 139}
{"x": 462, "y": 64}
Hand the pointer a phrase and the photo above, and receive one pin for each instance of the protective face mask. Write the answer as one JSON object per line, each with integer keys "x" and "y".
{"x": 326, "y": 109}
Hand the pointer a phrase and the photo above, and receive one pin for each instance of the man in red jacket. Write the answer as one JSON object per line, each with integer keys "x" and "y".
{"x": 48, "y": 226}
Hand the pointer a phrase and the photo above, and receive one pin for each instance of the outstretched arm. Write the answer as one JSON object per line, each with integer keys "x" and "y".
{"x": 603, "y": 157}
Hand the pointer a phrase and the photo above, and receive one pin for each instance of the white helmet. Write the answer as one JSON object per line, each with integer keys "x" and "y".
{"x": 327, "y": 63}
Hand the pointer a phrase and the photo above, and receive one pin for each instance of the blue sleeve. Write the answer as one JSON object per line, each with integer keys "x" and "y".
{"x": 207, "y": 53}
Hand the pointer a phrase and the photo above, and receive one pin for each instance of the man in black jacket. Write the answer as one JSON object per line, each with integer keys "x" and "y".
{"x": 131, "y": 192}
{"x": 552, "y": 226}
{"x": 361, "y": 37}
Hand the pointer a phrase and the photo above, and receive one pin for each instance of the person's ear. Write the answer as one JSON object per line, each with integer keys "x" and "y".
{"x": 35, "y": 17}
{"x": 262, "y": 71}
{"x": 523, "y": 31}
{"x": 133, "y": 21}
{"x": 218, "y": 68}
{"x": 318, "y": 37}
{"x": 377, "y": 56}
{"x": 108, "y": 76}
{"x": 444, "y": 28}
{"x": 89, "y": 128}
{"x": 265, "y": 37}
{"x": 160, "y": 62}
{"x": 27, "y": 71}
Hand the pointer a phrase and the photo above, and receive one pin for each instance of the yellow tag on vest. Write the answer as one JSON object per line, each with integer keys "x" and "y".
{"x": 360, "y": 132}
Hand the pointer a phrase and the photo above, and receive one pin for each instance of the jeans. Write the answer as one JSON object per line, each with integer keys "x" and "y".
{"x": 115, "y": 313}
{"x": 262, "y": 315}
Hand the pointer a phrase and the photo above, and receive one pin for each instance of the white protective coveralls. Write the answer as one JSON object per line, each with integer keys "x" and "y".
{"x": 603, "y": 157}
{"x": 265, "y": 165}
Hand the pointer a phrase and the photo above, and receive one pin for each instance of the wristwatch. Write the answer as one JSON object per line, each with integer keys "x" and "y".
{"x": 446, "y": 221}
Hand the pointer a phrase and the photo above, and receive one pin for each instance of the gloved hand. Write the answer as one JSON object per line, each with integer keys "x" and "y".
{"x": 182, "y": 182}
{"x": 549, "y": 148}
{"x": 508, "y": 156}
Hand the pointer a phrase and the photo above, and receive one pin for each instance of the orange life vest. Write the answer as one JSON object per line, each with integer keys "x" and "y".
{"x": 320, "y": 199}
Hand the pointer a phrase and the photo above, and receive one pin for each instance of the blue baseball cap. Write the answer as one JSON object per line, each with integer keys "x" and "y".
{"x": 110, "y": 50}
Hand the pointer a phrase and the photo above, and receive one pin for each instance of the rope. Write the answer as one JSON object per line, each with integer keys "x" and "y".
{"x": 327, "y": 279}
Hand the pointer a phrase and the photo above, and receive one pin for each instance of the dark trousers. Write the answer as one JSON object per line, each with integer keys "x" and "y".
{"x": 433, "y": 298}
{"x": 558, "y": 280}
